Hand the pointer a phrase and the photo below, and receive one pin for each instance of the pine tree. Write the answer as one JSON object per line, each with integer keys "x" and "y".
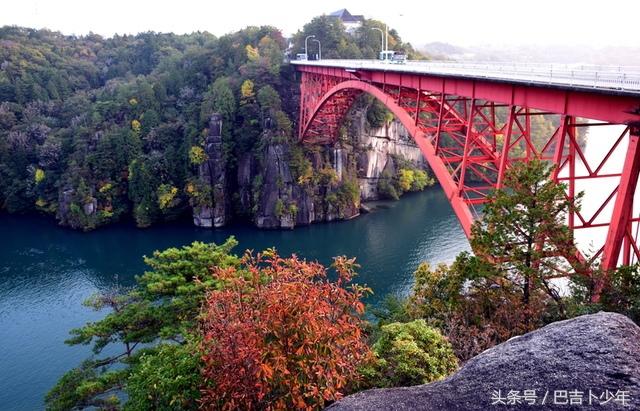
{"x": 523, "y": 230}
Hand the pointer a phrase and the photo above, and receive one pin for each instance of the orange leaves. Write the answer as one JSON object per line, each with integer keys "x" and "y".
{"x": 267, "y": 371}
{"x": 282, "y": 335}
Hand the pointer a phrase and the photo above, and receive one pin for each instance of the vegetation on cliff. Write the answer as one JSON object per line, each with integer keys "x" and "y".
{"x": 154, "y": 323}
{"x": 410, "y": 353}
{"x": 281, "y": 335}
{"x": 94, "y": 130}
{"x": 363, "y": 43}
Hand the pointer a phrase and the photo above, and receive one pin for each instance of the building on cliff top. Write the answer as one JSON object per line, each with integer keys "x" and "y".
{"x": 351, "y": 22}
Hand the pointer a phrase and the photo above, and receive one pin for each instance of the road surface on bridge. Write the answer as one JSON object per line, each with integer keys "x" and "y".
{"x": 623, "y": 80}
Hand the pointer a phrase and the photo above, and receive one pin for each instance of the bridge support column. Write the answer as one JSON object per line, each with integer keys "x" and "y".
{"x": 467, "y": 146}
{"x": 622, "y": 209}
{"x": 506, "y": 146}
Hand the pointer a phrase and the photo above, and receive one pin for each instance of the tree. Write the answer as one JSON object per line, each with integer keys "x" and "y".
{"x": 166, "y": 196}
{"x": 166, "y": 377}
{"x": 162, "y": 309}
{"x": 142, "y": 191}
{"x": 421, "y": 180}
{"x": 197, "y": 155}
{"x": 281, "y": 335}
{"x": 405, "y": 179}
{"x": 487, "y": 309}
{"x": 220, "y": 99}
{"x": 206, "y": 329}
{"x": 523, "y": 229}
{"x": 386, "y": 187}
{"x": 436, "y": 292}
{"x": 269, "y": 99}
{"x": 246, "y": 90}
{"x": 620, "y": 294}
{"x": 252, "y": 53}
{"x": 271, "y": 49}
{"x": 39, "y": 175}
{"x": 127, "y": 110}
{"x": 331, "y": 33}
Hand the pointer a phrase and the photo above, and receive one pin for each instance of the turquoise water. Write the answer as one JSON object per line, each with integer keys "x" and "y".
{"x": 47, "y": 271}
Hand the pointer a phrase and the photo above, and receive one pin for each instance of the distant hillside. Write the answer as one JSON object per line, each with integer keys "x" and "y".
{"x": 627, "y": 56}
{"x": 440, "y": 50}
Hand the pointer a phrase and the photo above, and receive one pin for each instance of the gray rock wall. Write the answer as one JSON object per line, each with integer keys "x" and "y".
{"x": 265, "y": 191}
{"x": 377, "y": 149}
{"x": 213, "y": 174}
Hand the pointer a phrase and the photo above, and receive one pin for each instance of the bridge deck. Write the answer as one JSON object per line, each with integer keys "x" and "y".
{"x": 623, "y": 80}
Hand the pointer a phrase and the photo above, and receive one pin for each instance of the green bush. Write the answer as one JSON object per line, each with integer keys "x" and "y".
{"x": 197, "y": 155}
{"x": 377, "y": 114}
{"x": 409, "y": 354}
{"x": 349, "y": 192}
{"x": 387, "y": 190}
{"x": 279, "y": 208}
{"x": 167, "y": 377}
{"x": 300, "y": 166}
{"x": 405, "y": 179}
{"x": 413, "y": 179}
{"x": 421, "y": 180}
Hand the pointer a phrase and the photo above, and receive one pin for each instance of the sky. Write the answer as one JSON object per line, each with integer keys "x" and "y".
{"x": 459, "y": 22}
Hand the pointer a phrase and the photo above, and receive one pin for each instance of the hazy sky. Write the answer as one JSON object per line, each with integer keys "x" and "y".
{"x": 461, "y": 22}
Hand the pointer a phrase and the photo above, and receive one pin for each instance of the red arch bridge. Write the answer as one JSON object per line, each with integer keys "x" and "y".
{"x": 473, "y": 121}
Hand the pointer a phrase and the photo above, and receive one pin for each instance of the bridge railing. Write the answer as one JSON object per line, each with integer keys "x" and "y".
{"x": 623, "y": 78}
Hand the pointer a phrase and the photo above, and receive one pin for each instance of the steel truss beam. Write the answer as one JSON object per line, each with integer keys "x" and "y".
{"x": 472, "y": 131}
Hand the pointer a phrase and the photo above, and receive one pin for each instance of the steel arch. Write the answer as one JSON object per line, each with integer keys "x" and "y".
{"x": 442, "y": 174}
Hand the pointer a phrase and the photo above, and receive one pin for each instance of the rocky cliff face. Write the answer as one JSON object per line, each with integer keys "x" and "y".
{"x": 77, "y": 210}
{"x": 590, "y": 362}
{"x": 212, "y": 174}
{"x": 275, "y": 195}
{"x": 283, "y": 201}
{"x": 376, "y": 150}
{"x": 282, "y": 184}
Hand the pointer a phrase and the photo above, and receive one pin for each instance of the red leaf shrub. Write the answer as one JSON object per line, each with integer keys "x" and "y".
{"x": 281, "y": 335}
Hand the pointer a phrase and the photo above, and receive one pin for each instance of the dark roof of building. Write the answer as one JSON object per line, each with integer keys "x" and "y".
{"x": 344, "y": 15}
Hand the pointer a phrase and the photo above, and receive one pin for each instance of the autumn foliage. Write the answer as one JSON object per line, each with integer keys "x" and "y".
{"x": 281, "y": 334}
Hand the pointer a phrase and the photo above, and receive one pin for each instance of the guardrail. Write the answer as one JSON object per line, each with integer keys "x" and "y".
{"x": 621, "y": 78}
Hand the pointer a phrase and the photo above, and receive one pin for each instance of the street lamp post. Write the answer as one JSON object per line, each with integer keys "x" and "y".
{"x": 319, "y": 49}
{"x": 381, "y": 38}
{"x": 384, "y": 45}
{"x": 306, "y": 54}
{"x": 386, "y": 41}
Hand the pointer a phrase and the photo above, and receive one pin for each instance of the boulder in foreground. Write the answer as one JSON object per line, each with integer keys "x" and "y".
{"x": 588, "y": 362}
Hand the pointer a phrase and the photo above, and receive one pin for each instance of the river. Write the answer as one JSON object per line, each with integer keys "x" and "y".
{"x": 47, "y": 271}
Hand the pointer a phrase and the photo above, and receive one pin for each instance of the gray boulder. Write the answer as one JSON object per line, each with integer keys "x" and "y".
{"x": 590, "y": 362}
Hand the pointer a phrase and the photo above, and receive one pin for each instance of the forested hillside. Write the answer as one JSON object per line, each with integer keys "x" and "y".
{"x": 110, "y": 123}
{"x": 95, "y": 130}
